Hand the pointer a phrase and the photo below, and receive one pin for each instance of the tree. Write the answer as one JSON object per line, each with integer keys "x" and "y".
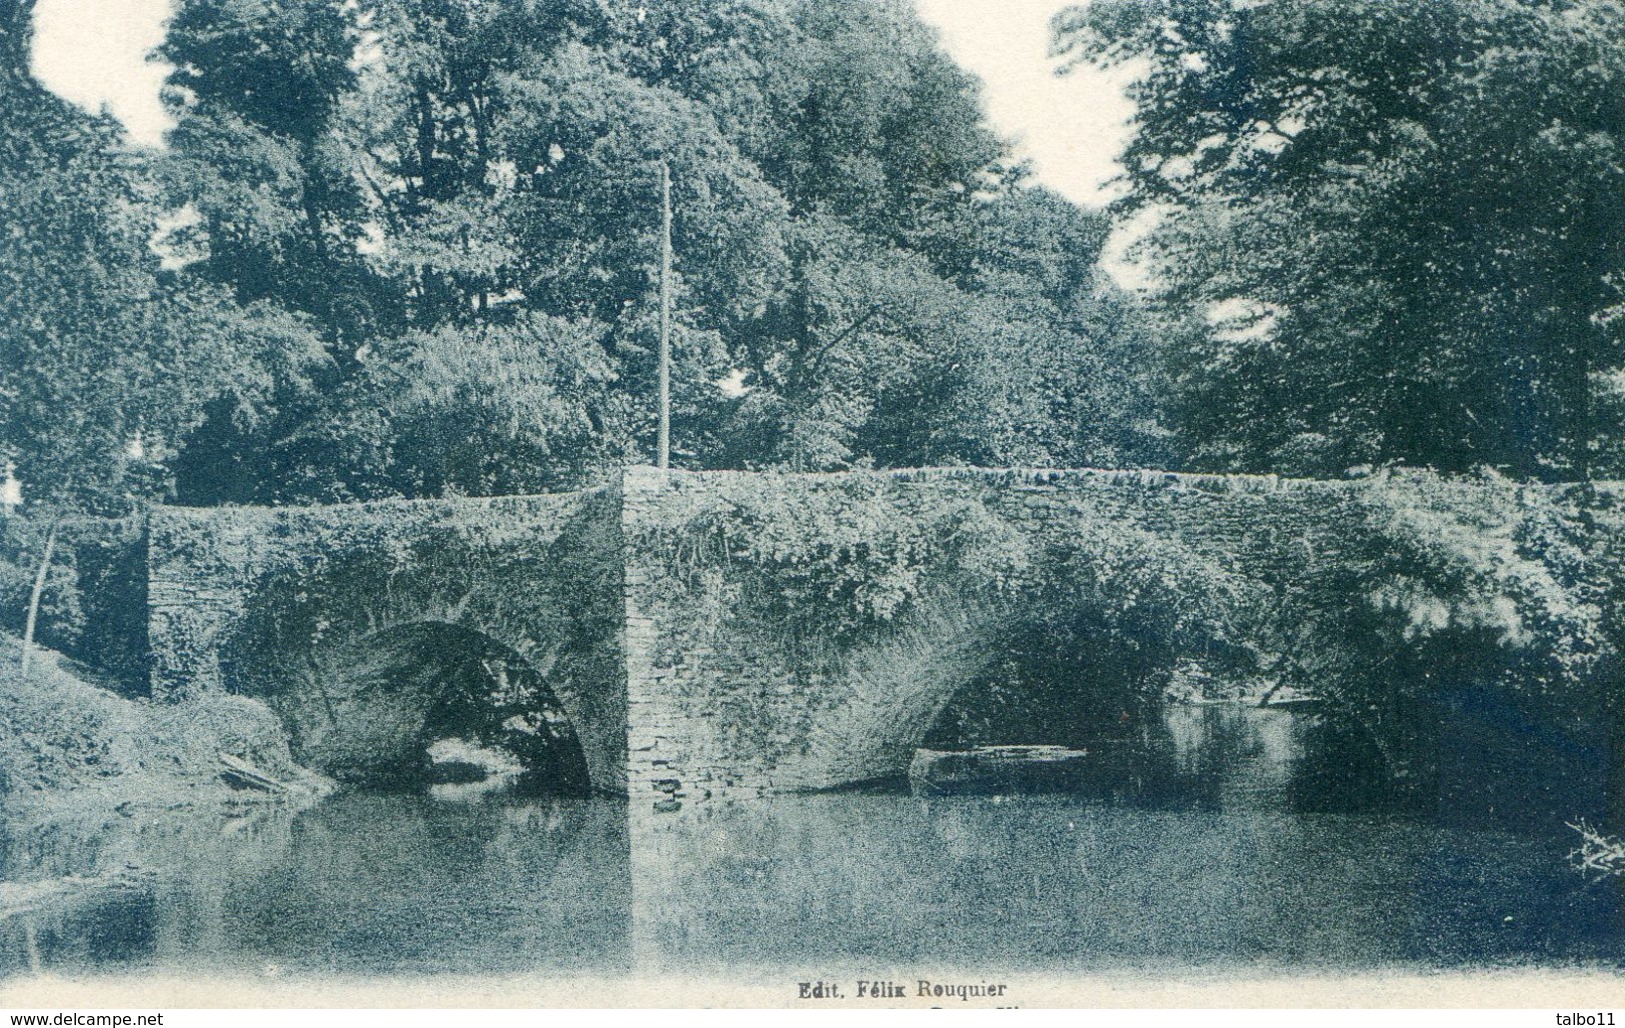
{"x": 109, "y": 358}
{"x": 854, "y": 249}
{"x": 255, "y": 93}
{"x": 1387, "y": 231}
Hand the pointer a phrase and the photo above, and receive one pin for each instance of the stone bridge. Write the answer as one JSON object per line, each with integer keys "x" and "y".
{"x": 731, "y": 633}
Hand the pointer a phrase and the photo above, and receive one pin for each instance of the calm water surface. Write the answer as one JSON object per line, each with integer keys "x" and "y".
{"x": 1217, "y": 862}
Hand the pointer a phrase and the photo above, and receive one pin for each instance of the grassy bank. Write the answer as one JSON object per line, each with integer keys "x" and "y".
{"x": 64, "y": 733}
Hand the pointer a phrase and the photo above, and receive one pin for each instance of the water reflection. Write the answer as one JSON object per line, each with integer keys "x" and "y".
{"x": 1049, "y": 881}
{"x": 1219, "y": 860}
{"x": 360, "y": 884}
{"x": 1214, "y": 756}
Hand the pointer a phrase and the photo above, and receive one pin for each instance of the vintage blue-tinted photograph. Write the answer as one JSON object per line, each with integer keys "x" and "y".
{"x": 796, "y": 503}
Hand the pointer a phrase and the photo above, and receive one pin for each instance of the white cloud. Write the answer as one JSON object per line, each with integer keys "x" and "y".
{"x": 1071, "y": 126}
{"x": 93, "y": 52}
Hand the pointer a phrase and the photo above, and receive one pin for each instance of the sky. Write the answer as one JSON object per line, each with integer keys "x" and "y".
{"x": 93, "y": 52}
{"x": 1071, "y": 126}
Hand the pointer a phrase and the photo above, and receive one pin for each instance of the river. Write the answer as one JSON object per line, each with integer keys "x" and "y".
{"x": 1230, "y": 869}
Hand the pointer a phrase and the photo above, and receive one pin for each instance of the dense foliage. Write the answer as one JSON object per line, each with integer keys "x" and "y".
{"x": 1392, "y": 600}
{"x": 462, "y": 200}
{"x": 1385, "y": 232}
{"x": 1068, "y": 597}
{"x": 410, "y": 247}
{"x": 109, "y": 359}
{"x": 1431, "y": 594}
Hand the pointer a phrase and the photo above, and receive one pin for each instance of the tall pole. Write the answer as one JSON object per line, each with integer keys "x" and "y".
{"x": 664, "y": 456}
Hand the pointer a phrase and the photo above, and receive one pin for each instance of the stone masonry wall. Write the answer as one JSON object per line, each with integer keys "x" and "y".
{"x": 728, "y": 698}
{"x": 734, "y": 634}
{"x": 720, "y": 706}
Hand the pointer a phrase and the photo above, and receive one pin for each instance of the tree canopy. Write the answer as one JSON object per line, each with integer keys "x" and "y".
{"x": 409, "y": 247}
{"x": 1386, "y": 232}
{"x": 110, "y": 358}
{"x": 461, "y": 199}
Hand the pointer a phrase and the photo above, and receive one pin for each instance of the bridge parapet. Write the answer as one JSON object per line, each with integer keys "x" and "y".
{"x": 804, "y": 631}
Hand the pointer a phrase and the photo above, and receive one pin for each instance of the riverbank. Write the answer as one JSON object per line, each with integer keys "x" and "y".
{"x": 68, "y": 738}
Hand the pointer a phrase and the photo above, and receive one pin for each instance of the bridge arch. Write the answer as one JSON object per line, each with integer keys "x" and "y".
{"x": 1083, "y": 657}
{"x": 1090, "y": 650}
{"x": 435, "y": 603}
{"x": 369, "y": 659}
{"x": 682, "y": 620}
{"x": 1047, "y": 573}
{"x": 374, "y": 709}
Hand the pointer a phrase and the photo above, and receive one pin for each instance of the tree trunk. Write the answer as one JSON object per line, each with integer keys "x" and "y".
{"x": 34, "y": 599}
